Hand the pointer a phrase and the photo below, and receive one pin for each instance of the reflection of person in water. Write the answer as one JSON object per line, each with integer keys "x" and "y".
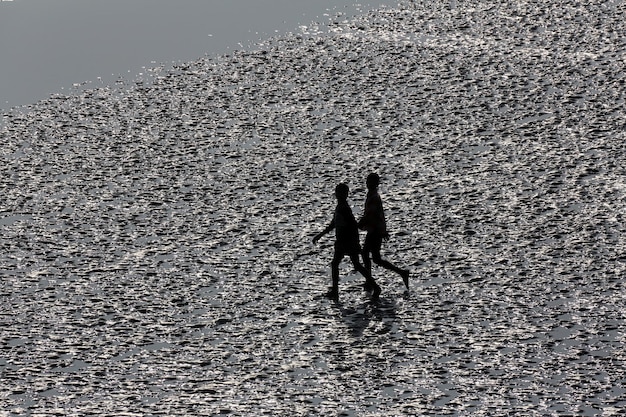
{"x": 373, "y": 221}
{"x": 346, "y": 243}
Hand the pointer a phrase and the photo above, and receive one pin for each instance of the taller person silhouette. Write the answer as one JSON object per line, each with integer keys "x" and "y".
{"x": 373, "y": 221}
{"x": 346, "y": 243}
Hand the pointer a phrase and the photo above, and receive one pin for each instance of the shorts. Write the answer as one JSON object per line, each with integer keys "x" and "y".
{"x": 373, "y": 242}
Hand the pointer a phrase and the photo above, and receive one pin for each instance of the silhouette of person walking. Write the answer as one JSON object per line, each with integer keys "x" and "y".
{"x": 346, "y": 243}
{"x": 373, "y": 221}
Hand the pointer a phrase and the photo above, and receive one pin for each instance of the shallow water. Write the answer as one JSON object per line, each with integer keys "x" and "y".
{"x": 53, "y": 47}
{"x": 156, "y": 249}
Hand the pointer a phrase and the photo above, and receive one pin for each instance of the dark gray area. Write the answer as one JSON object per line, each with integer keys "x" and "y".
{"x": 47, "y": 46}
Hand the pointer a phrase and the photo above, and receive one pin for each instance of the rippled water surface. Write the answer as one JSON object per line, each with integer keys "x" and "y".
{"x": 156, "y": 238}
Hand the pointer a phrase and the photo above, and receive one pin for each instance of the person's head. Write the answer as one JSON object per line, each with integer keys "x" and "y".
{"x": 342, "y": 191}
{"x": 372, "y": 181}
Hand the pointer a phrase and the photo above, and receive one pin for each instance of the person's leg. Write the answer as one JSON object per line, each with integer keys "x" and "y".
{"x": 334, "y": 291}
{"x": 369, "y": 281}
{"x": 385, "y": 264}
{"x": 367, "y": 262}
{"x": 378, "y": 260}
{"x": 365, "y": 253}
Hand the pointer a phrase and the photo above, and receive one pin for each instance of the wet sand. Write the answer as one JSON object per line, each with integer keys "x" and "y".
{"x": 156, "y": 237}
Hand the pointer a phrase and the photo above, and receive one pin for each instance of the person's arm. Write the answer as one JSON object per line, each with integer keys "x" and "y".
{"x": 366, "y": 219}
{"x": 382, "y": 223}
{"x": 330, "y": 227}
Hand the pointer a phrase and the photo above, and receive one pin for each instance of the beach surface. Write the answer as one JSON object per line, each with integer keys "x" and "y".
{"x": 155, "y": 236}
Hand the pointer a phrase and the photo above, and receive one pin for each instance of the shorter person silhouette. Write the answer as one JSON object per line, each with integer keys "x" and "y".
{"x": 346, "y": 243}
{"x": 373, "y": 221}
